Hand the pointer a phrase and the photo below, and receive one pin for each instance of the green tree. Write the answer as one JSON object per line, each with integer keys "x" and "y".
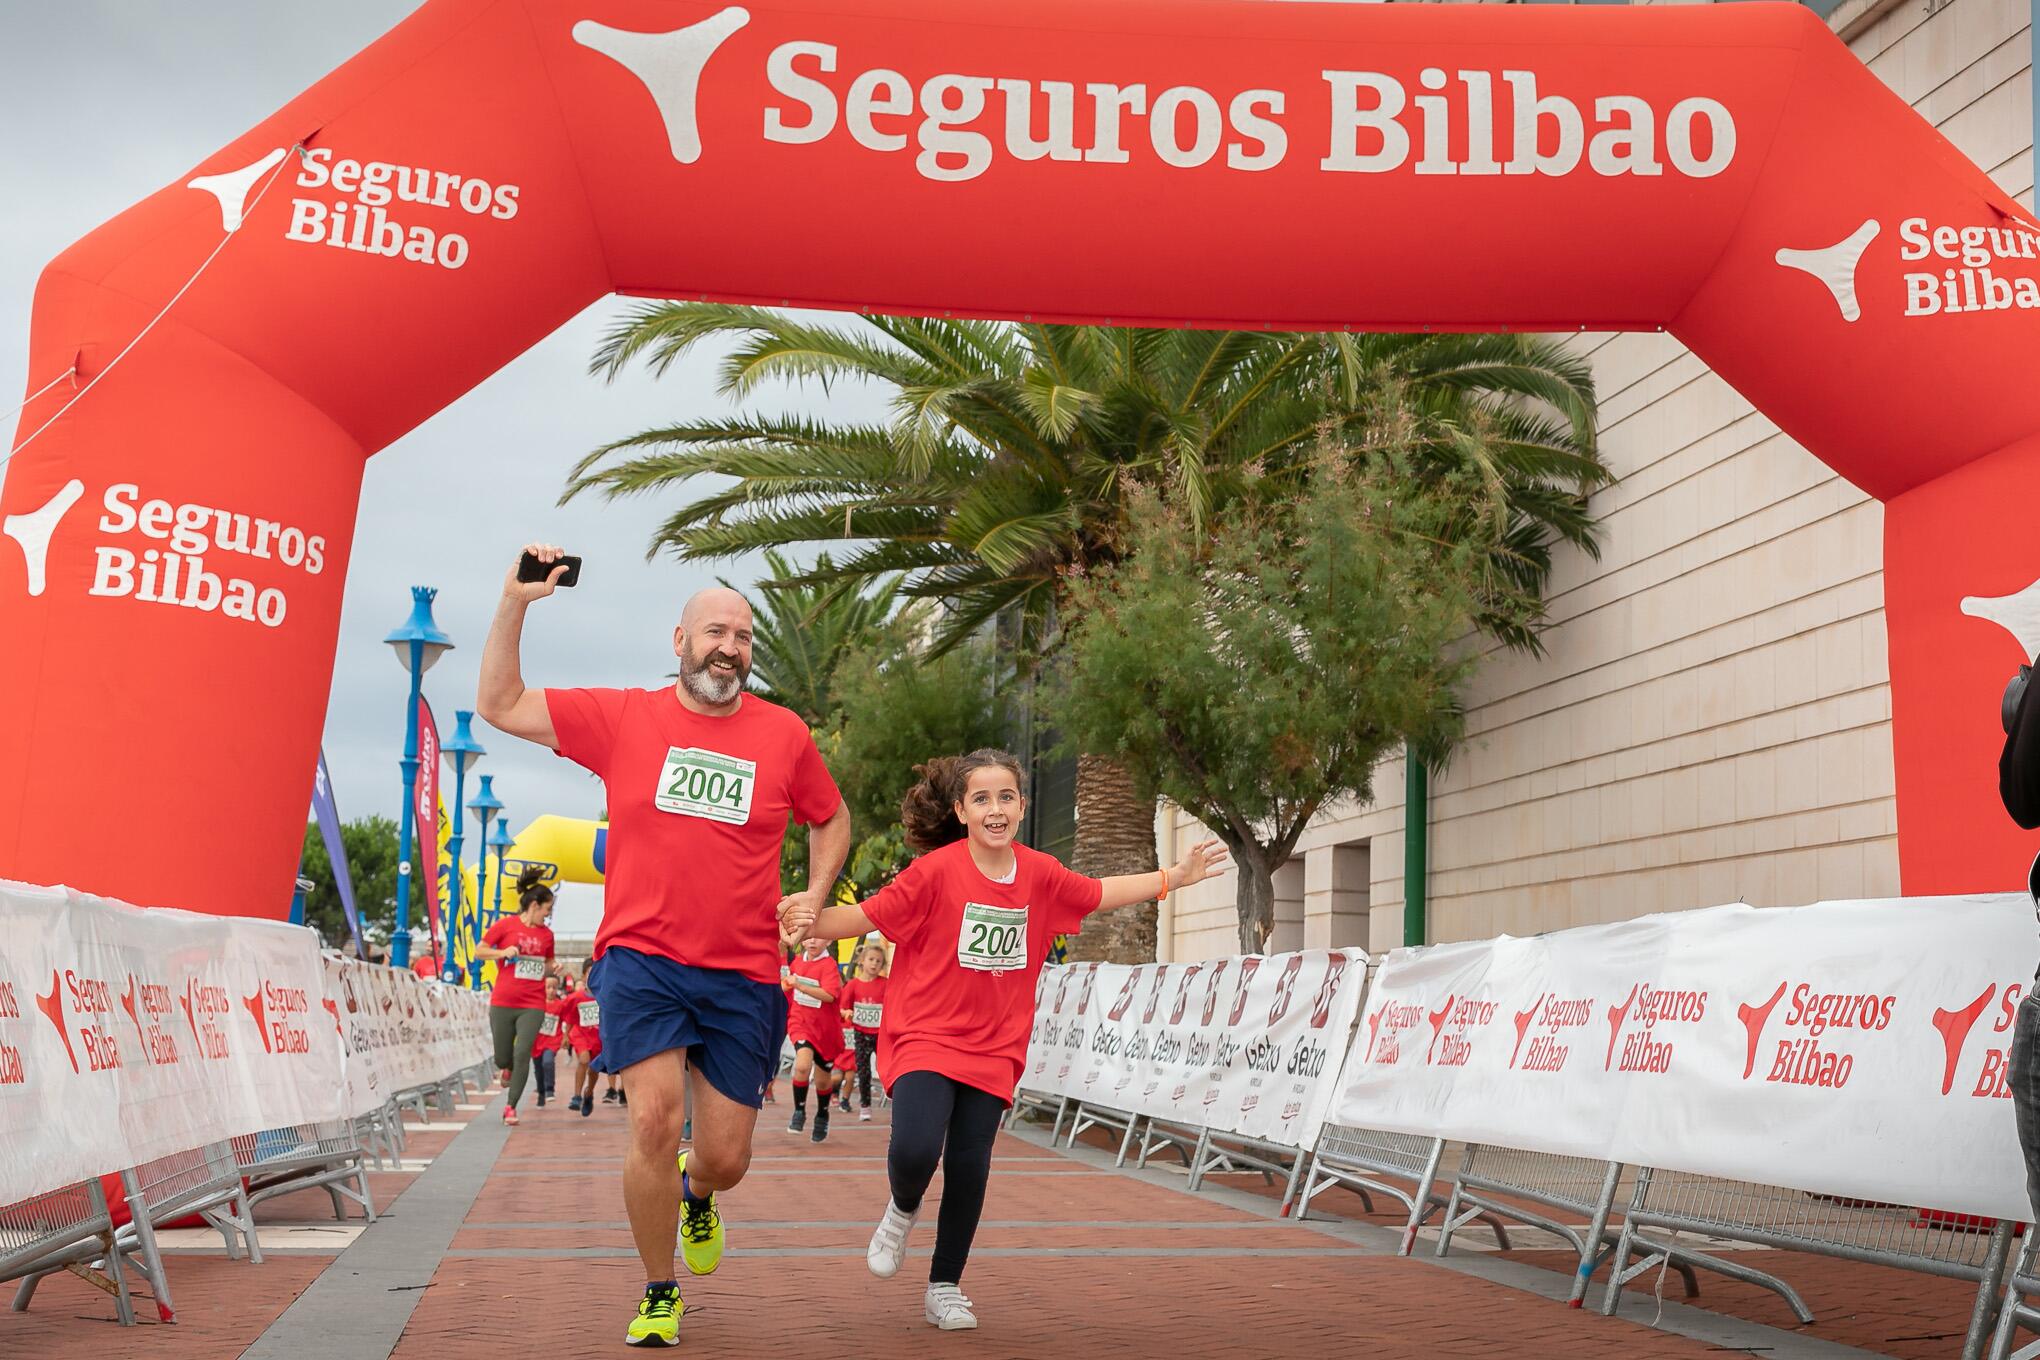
{"x": 803, "y": 629}
{"x": 371, "y": 845}
{"x": 1014, "y": 454}
{"x": 897, "y": 707}
{"x": 1256, "y": 672}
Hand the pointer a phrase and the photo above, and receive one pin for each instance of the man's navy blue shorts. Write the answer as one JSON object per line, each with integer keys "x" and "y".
{"x": 730, "y": 1026}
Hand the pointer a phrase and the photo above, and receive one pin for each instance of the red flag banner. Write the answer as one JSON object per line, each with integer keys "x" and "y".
{"x": 427, "y": 814}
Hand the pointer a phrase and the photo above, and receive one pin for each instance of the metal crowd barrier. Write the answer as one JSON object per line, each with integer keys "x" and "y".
{"x": 303, "y": 1156}
{"x": 1793, "y": 1220}
{"x": 1369, "y": 1162}
{"x": 1089, "y": 1116}
{"x": 1225, "y": 1152}
{"x": 68, "y": 1229}
{"x": 1178, "y": 1138}
{"x": 2021, "y": 1284}
{"x": 1495, "y": 1183}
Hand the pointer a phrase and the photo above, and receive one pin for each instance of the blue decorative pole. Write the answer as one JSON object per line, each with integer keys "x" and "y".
{"x": 485, "y": 806}
{"x": 417, "y": 644}
{"x": 461, "y": 752}
{"x": 500, "y": 842}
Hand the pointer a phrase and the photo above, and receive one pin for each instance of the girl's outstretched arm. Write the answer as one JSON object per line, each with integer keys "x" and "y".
{"x": 1200, "y": 862}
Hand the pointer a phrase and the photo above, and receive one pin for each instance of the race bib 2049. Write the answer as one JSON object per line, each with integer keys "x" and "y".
{"x": 528, "y": 967}
{"x": 992, "y": 939}
{"x": 698, "y": 783}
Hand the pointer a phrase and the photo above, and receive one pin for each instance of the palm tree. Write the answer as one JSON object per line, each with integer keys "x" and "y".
{"x": 1012, "y": 452}
{"x": 803, "y": 629}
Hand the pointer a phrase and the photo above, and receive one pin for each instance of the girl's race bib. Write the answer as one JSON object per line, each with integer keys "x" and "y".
{"x": 802, "y": 998}
{"x": 590, "y": 1014}
{"x": 528, "y": 967}
{"x": 992, "y": 939}
{"x": 865, "y": 1014}
{"x": 549, "y": 1026}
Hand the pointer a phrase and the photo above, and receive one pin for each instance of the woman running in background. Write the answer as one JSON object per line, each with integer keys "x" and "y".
{"x": 971, "y": 921}
{"x": 521, "y": 947}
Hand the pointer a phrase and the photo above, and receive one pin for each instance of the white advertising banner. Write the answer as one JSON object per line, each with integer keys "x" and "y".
{"x": 402, "y": 1031}
{"x": 1249, "y": 1046}
{"x": 1855, "y": 1049}
{"x": 127, "y": 1035}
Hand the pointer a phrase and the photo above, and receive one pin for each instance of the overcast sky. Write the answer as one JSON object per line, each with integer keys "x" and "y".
{"x": 104, "y": 102}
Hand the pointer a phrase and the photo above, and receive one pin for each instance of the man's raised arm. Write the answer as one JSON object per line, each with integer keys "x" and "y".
{"x": 501, "y": 697}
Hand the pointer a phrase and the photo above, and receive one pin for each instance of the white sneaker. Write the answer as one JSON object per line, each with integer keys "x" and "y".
{"x": 889, "y": 1243}
{"x": 864, "y": 1115}
{"x": 947, "y": 1308}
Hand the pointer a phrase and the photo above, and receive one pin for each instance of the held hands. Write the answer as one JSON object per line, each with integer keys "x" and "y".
{"x": 527, "y": 591}
{"x": 797, "y": 913}
{"x": 1201, "y": 861}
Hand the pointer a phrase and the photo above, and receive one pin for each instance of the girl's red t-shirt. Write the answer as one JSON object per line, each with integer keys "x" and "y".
{"x": 810, "y": 1017}
{"x": 552, "y": 1030}
{"x": 520, "y": 982}
{"x": 968, "y": 952}
{"x": 870, "y": 995}
{"x": 578, "y": 1005}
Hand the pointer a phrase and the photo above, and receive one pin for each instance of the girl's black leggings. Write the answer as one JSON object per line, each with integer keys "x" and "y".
{"x": 867, "y": 1045}
{"x": 938, "y": 1120}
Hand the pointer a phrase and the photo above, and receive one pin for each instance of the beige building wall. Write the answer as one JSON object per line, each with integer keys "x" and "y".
{"x": 1711, "y": 720}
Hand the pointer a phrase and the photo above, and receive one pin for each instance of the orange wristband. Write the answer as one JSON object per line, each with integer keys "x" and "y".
{"x": 1163, "y": 895}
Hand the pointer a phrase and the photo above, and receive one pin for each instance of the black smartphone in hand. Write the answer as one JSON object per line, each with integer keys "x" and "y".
{"x": 530, "y": 569}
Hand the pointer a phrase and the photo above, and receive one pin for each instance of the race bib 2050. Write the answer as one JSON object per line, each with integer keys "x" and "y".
{"x": 697, "y": 783}
{"x": 865, "y": 1014}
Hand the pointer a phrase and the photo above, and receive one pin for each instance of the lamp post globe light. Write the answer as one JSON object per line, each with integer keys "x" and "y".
{"x": 418, "y": 643}
{"x": 500, "y": 840}
{"x": 485, "y": 806}
{"x": 461, "y": 751}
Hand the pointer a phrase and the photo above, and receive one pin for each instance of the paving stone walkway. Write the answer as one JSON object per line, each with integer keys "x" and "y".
{"x": 494, "y": 1238}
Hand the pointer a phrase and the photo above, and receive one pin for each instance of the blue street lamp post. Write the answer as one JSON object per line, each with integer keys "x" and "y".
{"x": 500, "y": 841}
{"x": 485, "y": 806}
{"x": 461, "y": 751}
{"x": 417, "y": 644}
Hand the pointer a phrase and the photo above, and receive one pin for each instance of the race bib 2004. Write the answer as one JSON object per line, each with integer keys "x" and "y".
{"x": 698, "y": 783}
{"x": 993, "y": 939}
{"x": 528, "y": 967}
{"x": 590, "y": 1013}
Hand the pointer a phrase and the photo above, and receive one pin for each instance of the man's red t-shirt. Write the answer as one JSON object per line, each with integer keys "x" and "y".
{"x": 552, "y": 1030}
{"x": 520, "y": 981}
{"x": 969, "y": 951}
{"x": 809, "y": 1017}
{"x": 863, "y": 1003}
{"x": 426, "y": 967}
{"x": 698, "y": 809}
{"x": 577, "y": 1006}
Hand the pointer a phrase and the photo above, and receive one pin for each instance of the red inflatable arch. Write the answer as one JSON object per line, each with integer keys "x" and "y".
{"x": 1729, "y": 173}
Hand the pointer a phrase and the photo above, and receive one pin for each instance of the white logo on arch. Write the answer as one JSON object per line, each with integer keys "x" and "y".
{"x": 33, "y": 530}
{"x": 670, "y": 65}
{"x": 1835, "y": 265}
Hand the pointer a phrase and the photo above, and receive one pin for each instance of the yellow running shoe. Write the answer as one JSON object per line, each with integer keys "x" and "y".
{"x": 658, "y": 1317}
{"x": 701, "y": 1230}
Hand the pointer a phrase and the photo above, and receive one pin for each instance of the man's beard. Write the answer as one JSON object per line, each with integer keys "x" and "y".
{"x": 714, "y": 688}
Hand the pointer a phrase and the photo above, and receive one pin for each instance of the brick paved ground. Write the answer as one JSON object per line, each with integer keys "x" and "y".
{"x": 1074, "y": 1259}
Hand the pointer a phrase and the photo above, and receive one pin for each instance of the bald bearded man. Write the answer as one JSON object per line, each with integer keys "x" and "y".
{"x": 703, "y": 778}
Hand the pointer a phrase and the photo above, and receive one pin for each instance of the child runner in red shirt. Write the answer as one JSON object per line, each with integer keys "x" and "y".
{"x": 971, "y": 921}
{"x": 815, "y": 1026}
{"x": 584, "y": 1036}
{"x": 545, "y": 1049}
{"x": 863, "y": 1005}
